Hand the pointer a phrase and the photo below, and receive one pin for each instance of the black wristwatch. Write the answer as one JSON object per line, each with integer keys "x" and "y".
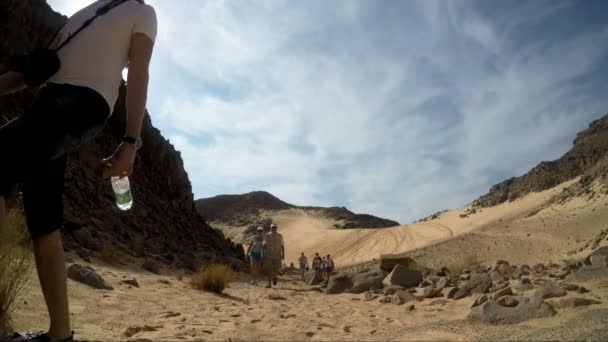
{"x": 133, "y": 141}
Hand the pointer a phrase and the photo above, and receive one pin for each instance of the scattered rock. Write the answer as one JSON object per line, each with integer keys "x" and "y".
{"x": 498, "y": 287}
{"x": 164, "y": 281}
{"x": 527, "y": 308}
{"x": 441, "y": 284}
{"x": 570, "y": 287}
{"x": 479, "y": 300}
{"x": 388, "y": 262}
{"x": 339, "y": 284}
{"x": 88, "y": 276}
{"x": 346, "y": 328}
{"x": 386, "y": 299}
{"x": 550, "y": 290}
{"x": 368, "y": 280}
{"x": 504, "y": 292}
{"x": 151, "y": 266}
{"x": 410, "y": 307}
{"x": 449, "y": 292}
{"x": 130, "y": 281}
{"x": 574, "y": 302}
{"x": 479, "y": 283}
{"x": 507, "y": 301}
{"x": 430, "y": 292}
{"x": 497, "y": 277}
{"x": 369, "y": 296}
{"x": 402, "y": 276}
{"x": 582, "y": 290}
{"x": 402, "y": 297}
{"x": 390, "y": 290}
{"x": 310, "y": 334}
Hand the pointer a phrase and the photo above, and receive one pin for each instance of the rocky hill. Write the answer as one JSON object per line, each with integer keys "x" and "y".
{"x": 590, "y": 146}
{"x": 244, "y": 210}
{"x": 163, "y": 226}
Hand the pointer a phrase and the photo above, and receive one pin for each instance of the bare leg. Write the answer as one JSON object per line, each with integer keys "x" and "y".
{"x": 50, "y": 263}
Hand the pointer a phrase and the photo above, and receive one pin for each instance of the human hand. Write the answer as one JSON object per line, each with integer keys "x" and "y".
{"x": 120, "y": 163}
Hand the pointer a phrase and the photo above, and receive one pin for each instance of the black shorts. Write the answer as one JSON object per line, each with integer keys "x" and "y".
{"x": 33, "y": 150}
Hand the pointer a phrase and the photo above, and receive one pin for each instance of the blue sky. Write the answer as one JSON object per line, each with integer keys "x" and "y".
{"x": 397, "y": 108}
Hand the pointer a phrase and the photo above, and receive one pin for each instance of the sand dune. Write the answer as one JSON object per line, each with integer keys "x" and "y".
{"x": 305, "y": 232}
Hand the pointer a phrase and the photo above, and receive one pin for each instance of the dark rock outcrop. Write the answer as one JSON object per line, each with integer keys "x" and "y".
{"x": 590, "y": 147}
{"x": 163, "y": 224}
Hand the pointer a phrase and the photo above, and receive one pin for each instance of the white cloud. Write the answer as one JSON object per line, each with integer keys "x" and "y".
{"x": 397, "y": 110}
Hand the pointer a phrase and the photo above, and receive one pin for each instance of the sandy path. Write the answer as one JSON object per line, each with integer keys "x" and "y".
{"x": 176, "y": 312}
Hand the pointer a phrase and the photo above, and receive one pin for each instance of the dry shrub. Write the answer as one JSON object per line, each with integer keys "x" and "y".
{"x": 15, "y": 266}
{"x": 212, "y": 278}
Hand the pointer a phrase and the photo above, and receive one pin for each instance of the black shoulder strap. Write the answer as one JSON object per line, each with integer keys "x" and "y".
{"x": 100, "y": 11}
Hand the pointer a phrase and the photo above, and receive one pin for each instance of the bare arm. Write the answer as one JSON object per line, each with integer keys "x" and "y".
{"x": 121, "y": 163}
{"x": 137, "y": 82}
{"x": 10, "y": 81}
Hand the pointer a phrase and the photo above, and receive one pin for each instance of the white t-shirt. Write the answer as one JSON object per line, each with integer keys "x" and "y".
{"x": 96, "y": 57}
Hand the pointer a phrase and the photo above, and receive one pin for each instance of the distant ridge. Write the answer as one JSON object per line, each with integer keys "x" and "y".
{"x": 243, "y": 210}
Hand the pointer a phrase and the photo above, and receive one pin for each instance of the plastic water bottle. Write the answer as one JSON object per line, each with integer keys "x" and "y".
{"x": 122, "y": 190}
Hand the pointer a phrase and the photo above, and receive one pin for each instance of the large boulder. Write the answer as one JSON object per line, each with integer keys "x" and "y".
{"x": 527, "y": 308}
{"x": 598, "y": 258}
{"x": 339, "y": 284}
{"x": 389, "y": 261}
{"x": 88, "y": 276}
{"x": 402, "y": 276}
{"x": 366, "y": 281}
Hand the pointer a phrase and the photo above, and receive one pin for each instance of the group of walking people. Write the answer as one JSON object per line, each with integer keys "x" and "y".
{"x": 266, "y": 252}
{"x": 323, "y": 265}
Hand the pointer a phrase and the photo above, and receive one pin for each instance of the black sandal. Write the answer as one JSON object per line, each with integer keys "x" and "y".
{"x": 35, "y": 337}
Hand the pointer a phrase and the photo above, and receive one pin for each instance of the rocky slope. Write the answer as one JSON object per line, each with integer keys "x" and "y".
{"x": 163, "y": 226}
{"x": 590, "y": 146}
{"x": 244, "y": 210}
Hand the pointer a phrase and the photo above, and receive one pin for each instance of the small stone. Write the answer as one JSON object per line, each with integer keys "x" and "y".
{"x": 582, "y": 290}
{"x": 570, "y": 287}
{"x": 573, "y": 302}
{"x": 504, "y": 292}
{"x": 507, "y": 301}
{"x": 550, "y": 290}
{"x": 130, "y": 281}
{"x": 430, "y": 292}
{"x": 346, "y": 328}
{"x": 410, "y": 307}
{"x": 449, "y": 292}
{"x": 479, "y": 300}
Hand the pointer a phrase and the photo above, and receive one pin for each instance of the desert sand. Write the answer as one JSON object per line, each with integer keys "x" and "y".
{"x": 175, "y": 311}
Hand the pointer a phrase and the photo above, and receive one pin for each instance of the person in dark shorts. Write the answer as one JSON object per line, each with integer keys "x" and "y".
{"x": 70, "y": 109}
